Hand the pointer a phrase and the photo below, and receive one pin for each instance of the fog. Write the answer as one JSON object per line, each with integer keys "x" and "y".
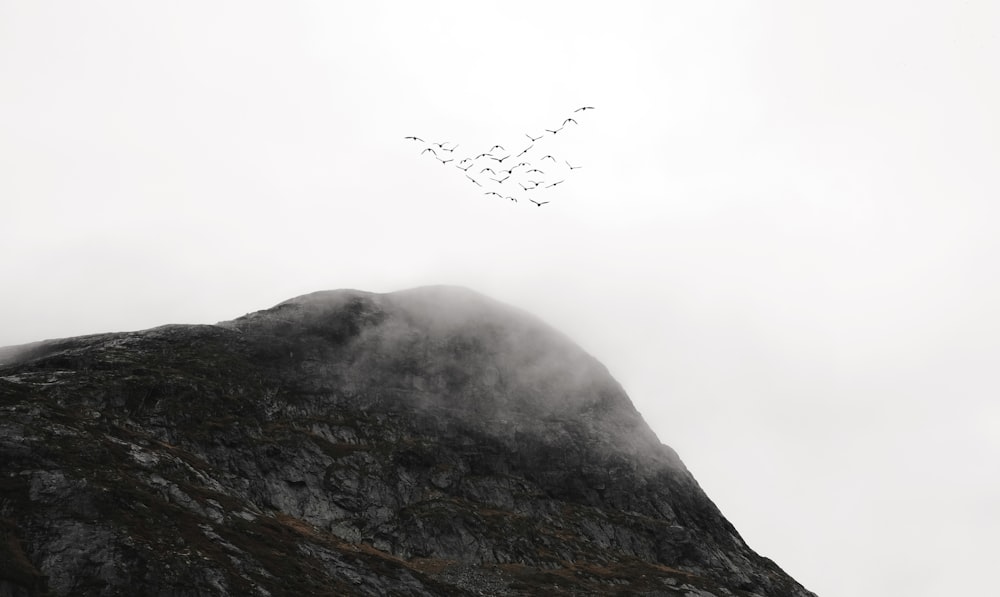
{"x": 445, "y": 346}
{"x": 782, "y": 243}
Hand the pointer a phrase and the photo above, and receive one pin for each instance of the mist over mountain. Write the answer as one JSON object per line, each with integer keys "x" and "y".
{"x": 424, "y": 442}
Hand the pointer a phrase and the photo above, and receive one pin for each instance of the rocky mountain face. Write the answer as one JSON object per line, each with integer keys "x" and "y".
{"x": 426, "y": 442}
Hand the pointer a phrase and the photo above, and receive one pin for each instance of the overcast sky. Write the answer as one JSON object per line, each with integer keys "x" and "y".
{"x": 782, "y": 240}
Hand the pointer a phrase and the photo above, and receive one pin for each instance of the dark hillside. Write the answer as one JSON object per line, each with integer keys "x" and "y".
{"x": 426, "y": 442}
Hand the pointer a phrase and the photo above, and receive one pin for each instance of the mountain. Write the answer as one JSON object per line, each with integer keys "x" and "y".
{"x": 424, "y": 442}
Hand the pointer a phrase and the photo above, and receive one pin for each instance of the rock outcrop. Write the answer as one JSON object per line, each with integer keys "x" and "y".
{"x": 426, "y": 442}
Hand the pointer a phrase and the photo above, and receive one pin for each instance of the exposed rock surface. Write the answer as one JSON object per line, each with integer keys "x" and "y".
{"x": 426, "y": 442}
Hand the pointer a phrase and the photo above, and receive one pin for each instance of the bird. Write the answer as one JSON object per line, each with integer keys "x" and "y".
{"x": 465, "y": 162}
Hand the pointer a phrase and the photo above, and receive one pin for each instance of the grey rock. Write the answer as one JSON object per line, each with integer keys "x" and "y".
{"x": 426, "y": 442}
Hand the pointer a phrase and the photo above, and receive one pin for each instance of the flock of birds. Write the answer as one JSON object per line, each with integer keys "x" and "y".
{"x": 513, "y": 174}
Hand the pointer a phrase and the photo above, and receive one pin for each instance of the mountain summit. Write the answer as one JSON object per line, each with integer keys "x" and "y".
{"x": 424, "y": 442}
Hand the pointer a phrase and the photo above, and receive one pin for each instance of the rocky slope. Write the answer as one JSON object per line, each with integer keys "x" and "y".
{"x": 426, "y": 442}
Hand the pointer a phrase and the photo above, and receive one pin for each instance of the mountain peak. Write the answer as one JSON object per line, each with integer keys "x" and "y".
{"x": 429, "y": 442}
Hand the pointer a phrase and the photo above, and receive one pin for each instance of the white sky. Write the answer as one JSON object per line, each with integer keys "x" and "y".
{"x": 782, "y": 242}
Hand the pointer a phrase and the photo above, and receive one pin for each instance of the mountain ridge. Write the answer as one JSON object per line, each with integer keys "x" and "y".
{"x": 426, "y": 442}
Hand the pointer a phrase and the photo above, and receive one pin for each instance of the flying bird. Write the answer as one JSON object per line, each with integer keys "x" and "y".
{"x": 466, "y": 163}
